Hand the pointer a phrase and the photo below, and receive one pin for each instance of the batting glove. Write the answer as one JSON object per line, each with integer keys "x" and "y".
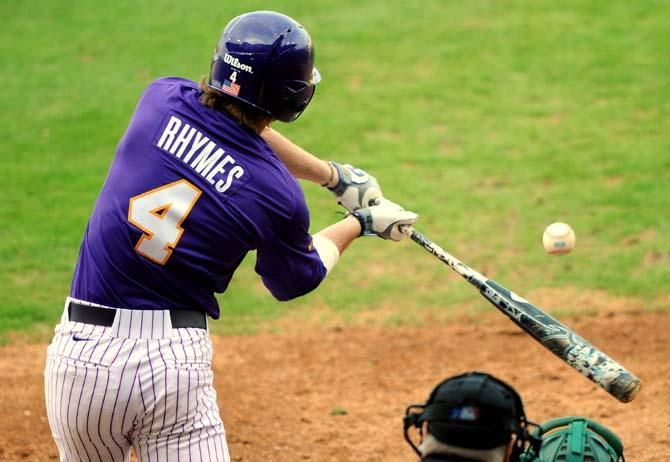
{"x": 355, "y": 189}
{"x": 385, "y": 221}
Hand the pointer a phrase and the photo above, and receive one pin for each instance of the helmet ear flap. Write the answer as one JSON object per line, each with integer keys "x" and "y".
{"x": 285, "y": 93}
{"x": 290, "y": 100}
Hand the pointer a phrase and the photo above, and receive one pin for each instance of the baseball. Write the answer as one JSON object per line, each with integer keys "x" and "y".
{"x": 558, "y": 239}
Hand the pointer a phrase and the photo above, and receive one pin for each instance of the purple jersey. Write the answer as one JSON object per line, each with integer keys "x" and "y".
{"x": 189, "y": 193}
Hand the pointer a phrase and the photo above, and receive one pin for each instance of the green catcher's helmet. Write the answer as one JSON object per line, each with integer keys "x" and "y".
{"x": 576, "y": 439}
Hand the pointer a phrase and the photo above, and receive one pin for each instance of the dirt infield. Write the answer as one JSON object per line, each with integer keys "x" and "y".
{"x": 338, "y": 394}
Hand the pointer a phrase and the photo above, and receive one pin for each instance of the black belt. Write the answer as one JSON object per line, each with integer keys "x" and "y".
{"x": 105, "y": 316}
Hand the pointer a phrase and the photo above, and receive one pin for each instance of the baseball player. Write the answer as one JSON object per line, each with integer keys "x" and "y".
{"x": 475, "y": 417}
{"x": 575, "y": 439}
{"x": 198, "y": 181}
{"x": 472, "y": 417}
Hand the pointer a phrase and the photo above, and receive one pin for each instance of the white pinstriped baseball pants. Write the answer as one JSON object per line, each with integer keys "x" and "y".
{"x": 138, "y": 383}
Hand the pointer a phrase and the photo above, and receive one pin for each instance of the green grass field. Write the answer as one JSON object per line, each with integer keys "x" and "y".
{"x": 490, "y": 119}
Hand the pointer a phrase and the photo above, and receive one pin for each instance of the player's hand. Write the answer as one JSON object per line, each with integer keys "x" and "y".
{"x": 355, "y": 189}
{"x": 385, "y": 220}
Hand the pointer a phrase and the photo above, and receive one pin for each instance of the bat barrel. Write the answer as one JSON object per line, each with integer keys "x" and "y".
{"x": 564, "y": 342}
{"x": 549, "y": 332}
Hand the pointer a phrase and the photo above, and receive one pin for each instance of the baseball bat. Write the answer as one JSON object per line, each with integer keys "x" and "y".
{"x": 552, "y": 334}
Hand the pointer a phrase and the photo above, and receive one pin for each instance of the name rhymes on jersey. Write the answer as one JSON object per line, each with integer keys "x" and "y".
{"x": 200, "y": 153}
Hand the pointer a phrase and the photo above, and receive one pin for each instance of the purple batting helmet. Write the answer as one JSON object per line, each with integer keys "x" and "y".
{"x": 266, "y": 60}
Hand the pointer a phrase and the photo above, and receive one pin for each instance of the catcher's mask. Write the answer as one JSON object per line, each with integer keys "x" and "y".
{"x": 575, "y": 439}
{"x": 473, "y": 410}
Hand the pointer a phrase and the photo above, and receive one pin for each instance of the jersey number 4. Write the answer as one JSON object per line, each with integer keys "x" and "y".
{"x": 159, "y": 213}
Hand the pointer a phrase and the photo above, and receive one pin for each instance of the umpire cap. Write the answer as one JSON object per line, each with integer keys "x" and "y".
{"x": 473, "y": 410}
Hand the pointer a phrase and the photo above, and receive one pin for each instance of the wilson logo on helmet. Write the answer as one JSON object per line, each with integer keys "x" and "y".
{"x": 233, "y": 61}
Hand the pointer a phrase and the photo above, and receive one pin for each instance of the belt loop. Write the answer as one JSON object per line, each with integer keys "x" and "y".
{"x": 167, "y": 322}
{"x": 65, "y": 317}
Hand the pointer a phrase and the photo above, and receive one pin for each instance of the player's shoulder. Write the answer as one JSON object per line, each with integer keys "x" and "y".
{"x": 165, "y": 87}
{"x": 285, "y": 185}
{"x": 165, "y": 92}
{"x": 279, "y": 177}
{"x": 173, "y": 82}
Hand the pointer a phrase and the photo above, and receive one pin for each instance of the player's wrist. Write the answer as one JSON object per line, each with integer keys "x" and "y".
{"x": 341, "y": 179}
{"x": 364, "y": 219}
{"x": 333, "y": 176}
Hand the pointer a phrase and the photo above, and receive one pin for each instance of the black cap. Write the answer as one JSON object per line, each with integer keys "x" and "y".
{"x": 473, "y": 410}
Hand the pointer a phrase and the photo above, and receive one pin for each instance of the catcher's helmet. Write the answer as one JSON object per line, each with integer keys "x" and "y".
{"x": 474, "y": 410}
{"x": 266, "y": 60}
{"x": 575, "y": 439}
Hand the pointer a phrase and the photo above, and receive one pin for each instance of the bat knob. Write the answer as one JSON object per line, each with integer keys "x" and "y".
{"x": 631, "y": 391}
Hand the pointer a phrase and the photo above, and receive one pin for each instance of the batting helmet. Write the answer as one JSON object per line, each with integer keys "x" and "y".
{"x": 576, "y": 439}
{"x": 474, "y": 410}
{"x": 266, "y": 60}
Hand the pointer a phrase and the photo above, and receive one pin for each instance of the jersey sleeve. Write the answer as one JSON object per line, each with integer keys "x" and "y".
{"x": 288, "y": 263}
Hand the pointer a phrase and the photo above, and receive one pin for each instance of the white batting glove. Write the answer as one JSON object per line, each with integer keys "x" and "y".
{"x": 355, "y": 189}
{"x": 385, "y": 220}
{"x": 384, "y": 202}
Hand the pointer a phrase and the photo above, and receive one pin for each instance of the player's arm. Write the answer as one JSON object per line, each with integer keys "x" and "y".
{"x": 330, "y": 242}
{"x": 295, "y": 263}
{"x": 352, "y": 187}
{"x": 383, "y": 221}
{"x": 299, "y": 162}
